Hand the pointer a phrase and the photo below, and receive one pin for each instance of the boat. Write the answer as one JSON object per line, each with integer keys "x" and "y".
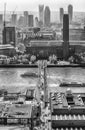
{"x": 72, "y": 84}
{"x": 30, "y": 74}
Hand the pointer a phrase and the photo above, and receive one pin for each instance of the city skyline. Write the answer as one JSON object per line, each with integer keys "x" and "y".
{"x": 54, "y": 5}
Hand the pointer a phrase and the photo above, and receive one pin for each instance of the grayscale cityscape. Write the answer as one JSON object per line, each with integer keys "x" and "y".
{"x": 42, "y": 65}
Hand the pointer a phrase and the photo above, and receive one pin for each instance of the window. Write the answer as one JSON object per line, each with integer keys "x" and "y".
{"x": 83, "y": 98}
{"x": 70, "y": 100}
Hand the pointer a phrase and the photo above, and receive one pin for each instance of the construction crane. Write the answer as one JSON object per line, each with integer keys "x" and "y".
{"x": 14, "y": 10}
{"x": 45, "y": 83}
{"x": 4, "y": 15}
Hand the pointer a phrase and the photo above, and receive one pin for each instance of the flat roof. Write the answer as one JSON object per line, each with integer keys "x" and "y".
{"x": 20, "y": 111}
{"x": 54, "y": 43}
{"x": 45, "y": 43}
{"x": 60, "y": 99}
{"x": 6, "y": 46}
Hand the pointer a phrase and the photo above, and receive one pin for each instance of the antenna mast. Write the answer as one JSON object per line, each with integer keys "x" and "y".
{"x": 4, "y": 14}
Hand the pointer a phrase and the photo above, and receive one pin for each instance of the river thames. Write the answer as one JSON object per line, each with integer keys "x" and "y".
{"x": 10, "y": 78}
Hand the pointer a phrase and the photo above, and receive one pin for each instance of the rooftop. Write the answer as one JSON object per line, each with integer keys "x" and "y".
{"x": 6, "y": 46}
{"x": 20, "y": 111}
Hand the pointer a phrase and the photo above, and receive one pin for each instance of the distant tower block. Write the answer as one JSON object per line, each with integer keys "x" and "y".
{"x": 70, "y": 12}
{"x": 30, "y": 21}
{"x": 1, "y": 19}
{"x": 65, "y": 36}
{"x": 36, "y": 22}
{"x": 26, "y": 18}
{"x": 21, "y": 21}
{"x": 14, "y": 19}
{"x": 41, "y": 13}
{"x": 61, "y": 15}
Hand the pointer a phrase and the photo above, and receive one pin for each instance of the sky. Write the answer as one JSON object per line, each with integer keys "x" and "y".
{"x": 32, "y": 5}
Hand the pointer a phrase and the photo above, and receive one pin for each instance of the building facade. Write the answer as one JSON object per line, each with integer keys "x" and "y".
{"x": 36, "y": 22}
{"x": 14, "y": 19}
{"x": 1, "y": 19}
{"x": 25, "y": 18}
{"x": 30, "y": 21}
{"x": 9, "y": 36}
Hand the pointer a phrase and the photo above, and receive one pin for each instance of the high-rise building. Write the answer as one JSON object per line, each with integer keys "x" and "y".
{"x": 21, "y": 21}
{"x": 65, "y": 36}
{"x": 1, "y": 19}
{"x": 47, "y": 16}
{"x": 30, "y": 21}
{"x": 36, "y": 22}
{"x": 61, "y": 15}
{"x": 41, "y": 13}
{"x": 70, "y": 12}
{"x": 25, "y": 18}
{"x": 14, "y": 19}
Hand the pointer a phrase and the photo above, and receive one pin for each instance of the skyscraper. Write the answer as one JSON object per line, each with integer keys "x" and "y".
{"x": 14, "y": 19}
{"x": 41, "y": 13}
{"x": 47, "y": 16}
{"x": 25, "y": 18}
{"x": 1, "y": 19}
{"x": 21, "y": 21}
{"x": 36, "y": 21}
{"x": 70, "y": 12}
{"x": 61, "y": 15}
{"x": 30, "y": 21}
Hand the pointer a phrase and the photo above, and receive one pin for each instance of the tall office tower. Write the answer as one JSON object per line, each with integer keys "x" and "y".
{"x": 70, "y": 12}
{"x": 14, "y": 19}
{"x": 21, "y": 21}
{"x": 47, "y": 16}
{"x": 36, "y": 22}
{"x": 25, "y": 18}
{"x": 30, "y": 21}
{"x": 41, "y": 14}
{"x": 61, "y": 15}
{"x": 65, "y": 36}
{"x": 1, "y": 19}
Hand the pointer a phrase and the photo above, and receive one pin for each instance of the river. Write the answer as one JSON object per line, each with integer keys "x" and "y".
{"x": 10, "y": 77}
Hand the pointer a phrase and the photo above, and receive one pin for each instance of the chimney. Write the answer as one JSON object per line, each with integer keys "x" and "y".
{"x": 65, "y": 36}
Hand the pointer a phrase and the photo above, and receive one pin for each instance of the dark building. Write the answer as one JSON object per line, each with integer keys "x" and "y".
{"x": 47, "y": 16}
{"x": 30, "y": 21}
{"x": 70, "y": 12}
{"x": 77, "y": 34}
{"x": 7, "y": 50}
{"x": 61, "y": 15}
{"x": 45, "y": 48}
{"x": 65, "y": 36}
{"x": 1, "y": 19}
{"x": 14, "y": 19}
{"x": 9, "y": 35}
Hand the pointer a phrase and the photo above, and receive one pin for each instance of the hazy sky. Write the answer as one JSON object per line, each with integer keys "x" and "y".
{"x": 32, "y": 5}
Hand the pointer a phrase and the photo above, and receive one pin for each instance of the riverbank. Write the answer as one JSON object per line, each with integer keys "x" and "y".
{"x": 35, "y": 66}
